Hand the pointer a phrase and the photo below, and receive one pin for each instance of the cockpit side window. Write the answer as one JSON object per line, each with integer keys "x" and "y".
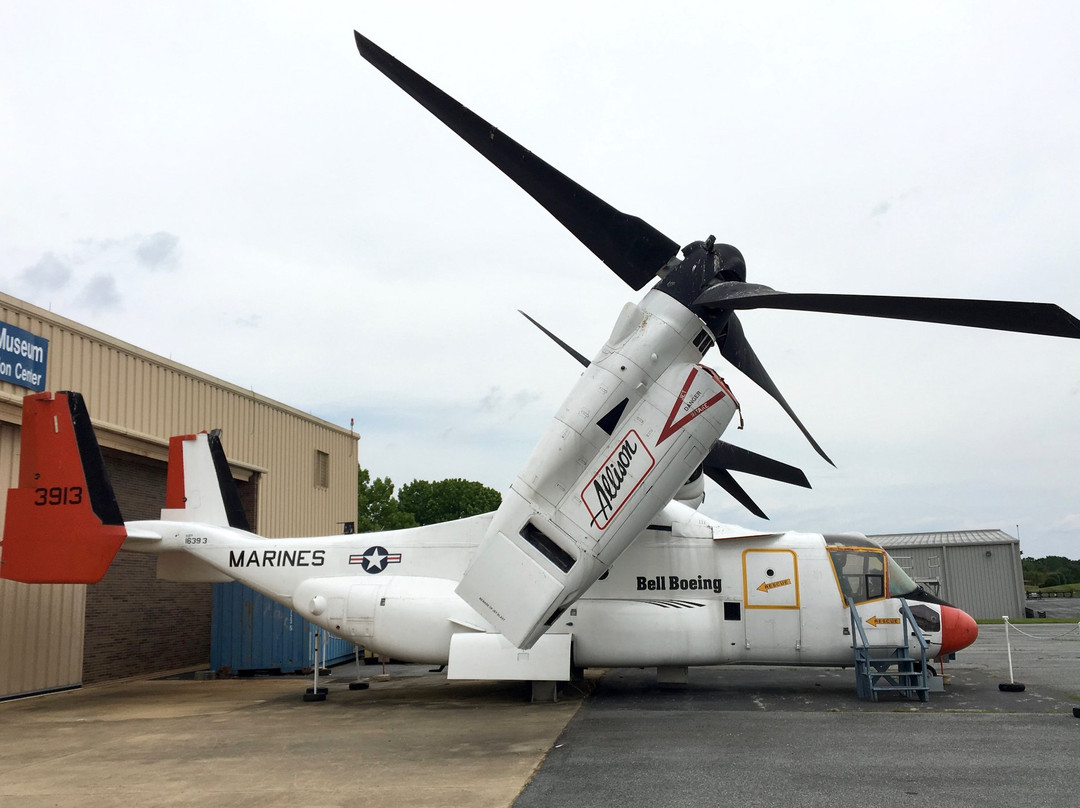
{"x": 860, "y": 572}
{"x": 926, "y": 618}
{"x": 900, "y": 583}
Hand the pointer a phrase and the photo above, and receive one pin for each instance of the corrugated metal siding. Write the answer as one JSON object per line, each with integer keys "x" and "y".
{"x": 963, "y": 538}
{"x": 978, "y": 570}
{"x": 137, "y": 401}
{"x": 41, "y": 637}
{"x": 253, "y": 633}
{"x": 41, "y": 627}
{"x": 983, "y": 582}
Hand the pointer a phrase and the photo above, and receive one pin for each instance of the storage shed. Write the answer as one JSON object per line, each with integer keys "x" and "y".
{"x": 296, "y": 474}
{"x": 976, "y": 570}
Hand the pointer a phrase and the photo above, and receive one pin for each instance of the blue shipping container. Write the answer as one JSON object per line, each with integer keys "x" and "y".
{"x": 250, "y": 632}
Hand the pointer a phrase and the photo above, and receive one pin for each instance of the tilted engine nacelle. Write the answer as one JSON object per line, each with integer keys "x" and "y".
{"x": 636, "y": 426}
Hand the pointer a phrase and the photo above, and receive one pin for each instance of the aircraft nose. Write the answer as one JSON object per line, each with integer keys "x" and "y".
{"x": 958, "y": 630}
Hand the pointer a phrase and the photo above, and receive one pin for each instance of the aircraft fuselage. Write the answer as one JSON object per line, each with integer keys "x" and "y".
{"x": 688, "y": 591}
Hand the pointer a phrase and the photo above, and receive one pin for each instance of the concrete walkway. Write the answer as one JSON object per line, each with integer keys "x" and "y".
{"x": 416, "y": 740}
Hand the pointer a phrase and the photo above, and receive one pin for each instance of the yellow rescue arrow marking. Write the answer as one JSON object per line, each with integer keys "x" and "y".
{"x": 765, "y": 587}
{"x": 884, "y": 621}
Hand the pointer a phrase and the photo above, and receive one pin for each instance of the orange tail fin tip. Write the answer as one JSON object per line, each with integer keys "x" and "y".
{"x": 63, "y": 524}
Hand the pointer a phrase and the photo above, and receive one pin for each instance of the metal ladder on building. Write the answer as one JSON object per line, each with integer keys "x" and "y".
{"x": 888, "y": 668}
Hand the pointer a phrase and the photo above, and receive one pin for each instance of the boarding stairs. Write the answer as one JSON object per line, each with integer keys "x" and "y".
{"x": 888, "y": 668}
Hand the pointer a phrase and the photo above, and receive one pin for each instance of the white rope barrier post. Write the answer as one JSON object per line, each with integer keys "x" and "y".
{"x": 1011, "y": 686}
{"x": 316, "y": 693}
{"x": 1008, "y": 647}
{"x": 1076, "y": 710}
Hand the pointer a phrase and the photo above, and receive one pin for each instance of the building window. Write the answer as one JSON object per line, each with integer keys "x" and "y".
{"x": 322, "y": 469}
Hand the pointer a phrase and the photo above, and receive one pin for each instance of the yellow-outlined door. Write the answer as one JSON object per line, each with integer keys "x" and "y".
{"x": 770, "y": 579}
{"x": 771, "y": 604}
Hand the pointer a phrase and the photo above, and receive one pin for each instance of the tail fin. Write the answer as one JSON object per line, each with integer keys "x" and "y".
{"x": 62, "y": 523}
{"x": 200, "y": 487}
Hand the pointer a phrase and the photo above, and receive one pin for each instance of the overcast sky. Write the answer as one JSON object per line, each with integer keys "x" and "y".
{"x": 230, "y": 185}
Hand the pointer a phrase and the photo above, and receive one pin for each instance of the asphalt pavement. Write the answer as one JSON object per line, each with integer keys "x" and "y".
{"x": 731, "y": 736}
{"x": 796, "y": 737}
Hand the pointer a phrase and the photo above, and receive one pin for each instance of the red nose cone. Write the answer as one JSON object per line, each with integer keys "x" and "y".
{"x": 958, "y": 630}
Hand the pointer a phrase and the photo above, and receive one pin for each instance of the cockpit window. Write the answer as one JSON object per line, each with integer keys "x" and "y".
{"x": 926, "y": 618}
{"x": 864, "y": 569}
{"x": 900, "y": 583}
{"x": 850, "y": 540}
{"x": 860, "y": 572}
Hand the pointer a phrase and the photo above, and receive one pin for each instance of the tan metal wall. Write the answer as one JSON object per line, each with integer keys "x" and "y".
{"x": 137, "y": 400}
{"x": 41, "y": 636}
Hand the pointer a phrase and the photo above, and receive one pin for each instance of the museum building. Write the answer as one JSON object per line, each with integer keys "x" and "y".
{"x": 296, "y": 475}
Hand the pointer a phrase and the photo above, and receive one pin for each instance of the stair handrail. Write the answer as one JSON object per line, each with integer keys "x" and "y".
{"x": 856, "y": 625}
{"x": 909, "y": 619}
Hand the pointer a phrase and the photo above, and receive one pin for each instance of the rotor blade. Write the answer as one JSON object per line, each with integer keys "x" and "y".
{"x": 734, "y": 458}
{"x": 633, "y": 249}
{"x": 738, "y": 352}
{"x": 1000, "y": 315}
{"x": 569, "y": 349}
{"x": 727, "y": 482}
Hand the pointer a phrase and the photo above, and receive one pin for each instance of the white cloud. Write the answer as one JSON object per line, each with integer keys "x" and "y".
{"x": 48, "y": 273}
{"x": 317, "y": 236}
{"x": 100, "y": 293}
{"x": 93, "y": 273}
{"x": 158, "y": 251}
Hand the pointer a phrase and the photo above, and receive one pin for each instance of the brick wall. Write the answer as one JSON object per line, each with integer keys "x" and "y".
{"x": 136, "y": 624}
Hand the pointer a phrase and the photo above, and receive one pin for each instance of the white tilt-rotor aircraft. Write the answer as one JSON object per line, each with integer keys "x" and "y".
{"x": 597, "y": 556}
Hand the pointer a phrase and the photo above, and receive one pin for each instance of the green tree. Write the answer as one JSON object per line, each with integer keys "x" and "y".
{"x": 376, "y": 507}
{"x": 1051, "y": 571}
{"x": 442, "y": 501}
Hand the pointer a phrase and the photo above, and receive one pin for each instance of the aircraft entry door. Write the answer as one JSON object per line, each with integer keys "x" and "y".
{"x": 771, "y": 604}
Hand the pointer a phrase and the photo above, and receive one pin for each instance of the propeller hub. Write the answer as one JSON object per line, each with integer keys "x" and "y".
{"x": 732, "y": 264}
{"x": 703, "y": 264}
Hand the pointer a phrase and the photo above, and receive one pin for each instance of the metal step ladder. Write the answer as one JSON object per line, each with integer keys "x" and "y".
{"x": 890, "y": 669}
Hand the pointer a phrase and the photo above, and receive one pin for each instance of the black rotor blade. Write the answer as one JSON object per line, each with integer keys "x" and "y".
{"x": 723, "y": 479}
{"x": 734, "y": 458}
{"x": 568, "y": 348}
{"x": 633, "y": 249}
{"x": 1000, "y": 315}
{"x": 736, "y": 350}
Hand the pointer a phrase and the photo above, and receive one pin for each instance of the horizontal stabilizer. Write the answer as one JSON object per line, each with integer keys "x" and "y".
{"x": 62, "y": 523}
{"x": 139, "y": 534}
